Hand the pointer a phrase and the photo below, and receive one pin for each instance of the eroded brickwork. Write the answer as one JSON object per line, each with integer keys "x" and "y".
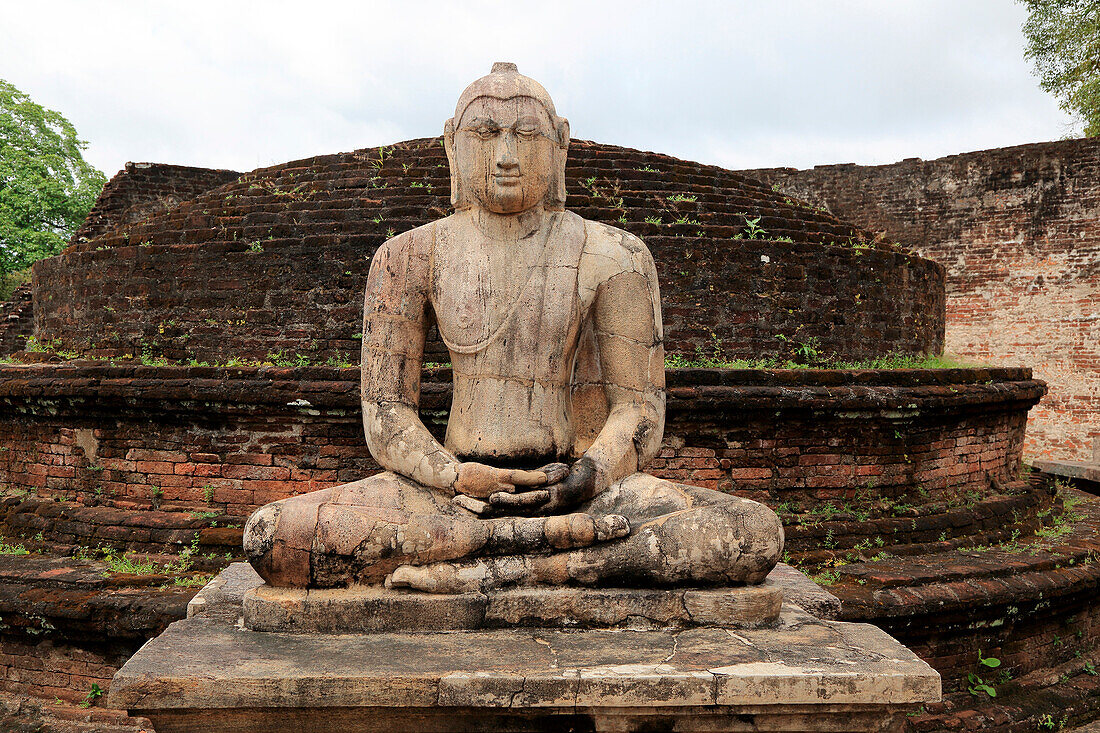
{"x": 16, "y": 320}
{"x": 141, "y": 189}
{"x": 51, "y": 670}
{"x": 1018, "y": 230}
{"x": 239, "y": 438}
{"x": 275, "y": 263}
{"x": 292, "y": 297}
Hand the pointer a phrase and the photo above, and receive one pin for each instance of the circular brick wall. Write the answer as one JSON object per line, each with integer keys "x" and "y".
{"x": 276, "y": 262}
{"x": 239, "y": 438}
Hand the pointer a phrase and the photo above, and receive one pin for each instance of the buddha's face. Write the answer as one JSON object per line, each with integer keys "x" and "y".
{"x": 504, "y": 153}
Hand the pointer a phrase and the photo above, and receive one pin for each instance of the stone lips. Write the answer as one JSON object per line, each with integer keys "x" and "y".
{"x": 276, "y": 260}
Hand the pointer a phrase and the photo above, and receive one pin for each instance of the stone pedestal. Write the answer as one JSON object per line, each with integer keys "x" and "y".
{"x": 799, "y": 673}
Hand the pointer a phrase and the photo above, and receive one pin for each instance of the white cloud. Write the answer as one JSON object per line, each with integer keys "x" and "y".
{"x": 799, "y": 82}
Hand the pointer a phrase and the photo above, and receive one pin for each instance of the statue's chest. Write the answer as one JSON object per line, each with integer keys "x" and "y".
{"x": 506, "y": 304}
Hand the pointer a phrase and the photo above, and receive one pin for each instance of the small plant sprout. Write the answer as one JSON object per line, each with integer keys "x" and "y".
{"x": 12, "y": 549}
{"x": 753, "y": 230}
{"x": 95, "y": 692}
{"x": 976, "y": 685}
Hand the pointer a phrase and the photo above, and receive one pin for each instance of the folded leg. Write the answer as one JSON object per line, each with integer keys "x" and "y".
{"x": 360, "y": 532}
{"x": 680, "y": 535}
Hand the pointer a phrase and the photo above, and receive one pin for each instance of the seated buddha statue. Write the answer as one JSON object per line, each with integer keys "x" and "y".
{"x": 553, "y": 324}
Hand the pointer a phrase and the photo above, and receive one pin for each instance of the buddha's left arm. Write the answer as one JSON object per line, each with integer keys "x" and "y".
{"x": 627, "y": 321}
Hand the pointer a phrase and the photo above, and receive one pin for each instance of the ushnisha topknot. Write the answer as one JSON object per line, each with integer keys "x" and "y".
{"x": 505, "y": 82}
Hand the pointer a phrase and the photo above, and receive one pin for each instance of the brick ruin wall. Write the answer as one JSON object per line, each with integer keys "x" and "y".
{"x": 136, "y": 191}
{"x": 699, "y": 448}
{"x": 223, "y": 300}
{"x": 1018, "y": 230}
{"x": 276, "y": 261}
{"x": 16, "y": 320}
{"x": 236, "y": 439}
{"x": 230, "y": 439}
{"x": 141, "y": 189}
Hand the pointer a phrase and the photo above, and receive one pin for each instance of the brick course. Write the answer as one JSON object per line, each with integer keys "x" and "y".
{"x": 16, "y": 320}
{"x": 142, "y": 189}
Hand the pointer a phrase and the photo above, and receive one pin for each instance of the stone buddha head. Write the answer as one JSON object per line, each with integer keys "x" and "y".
{"x": 506, "y": 145}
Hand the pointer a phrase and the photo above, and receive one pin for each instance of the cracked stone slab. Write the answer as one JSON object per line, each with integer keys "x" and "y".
{"x": 210, "y": 673}
{"x": 209, "y": 663}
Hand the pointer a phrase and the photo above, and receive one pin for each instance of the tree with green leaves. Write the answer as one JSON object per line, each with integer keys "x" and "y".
{"x": 46, "y": 186}
{"x": 1063, "y": 42}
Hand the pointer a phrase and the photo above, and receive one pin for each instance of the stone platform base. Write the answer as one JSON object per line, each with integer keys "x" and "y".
{"x": 697, "y": 719}
{"x": 371, "y": 609}
{"x": 208, "y": 673}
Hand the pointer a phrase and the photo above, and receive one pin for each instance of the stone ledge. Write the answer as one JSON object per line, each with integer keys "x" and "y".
{"x": 969, "y": 578}
{"x": 372, "y": 609}
{"x": 70, "y": 600}
{"x": 366, "y": 609}
{"x": 209, "y": 674}
{"x": 1086, "y": 471}
{"x": 333, "y": 389}
{"x": 210, "y": 663}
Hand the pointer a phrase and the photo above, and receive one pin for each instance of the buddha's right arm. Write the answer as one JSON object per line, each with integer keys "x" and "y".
{"x": 400, "y": 443}
{"x": 395, "y": 325}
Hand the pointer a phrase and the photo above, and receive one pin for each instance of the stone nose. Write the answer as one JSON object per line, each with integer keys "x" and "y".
{"x": 506, "y": 152}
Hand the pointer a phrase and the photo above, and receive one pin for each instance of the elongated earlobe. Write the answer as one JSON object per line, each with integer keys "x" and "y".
{"x": 458, "y": 200}
{"x": 555, "y": 197}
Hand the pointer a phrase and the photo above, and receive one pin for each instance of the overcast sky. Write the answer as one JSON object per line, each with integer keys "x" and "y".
{"x": 742, "y": 84}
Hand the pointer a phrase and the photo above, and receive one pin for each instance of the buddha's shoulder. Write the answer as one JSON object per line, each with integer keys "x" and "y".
{"x": 415, "y": 242}
{"x": 614, "y": 250}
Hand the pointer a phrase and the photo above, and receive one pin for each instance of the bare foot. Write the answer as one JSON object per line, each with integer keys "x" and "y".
{"x": 562, "y": 532}
{"x": 523, "y": 535}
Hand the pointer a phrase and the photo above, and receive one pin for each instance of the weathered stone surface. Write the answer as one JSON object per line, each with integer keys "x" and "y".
{"x": 373, "y": 609}
{"x": 1086, "y": 471}
{"x": 223, "y": 595}
{"x": 553, "y": 328}
{"x": 803, "y": 592}
{"x": 208, "y": 669}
